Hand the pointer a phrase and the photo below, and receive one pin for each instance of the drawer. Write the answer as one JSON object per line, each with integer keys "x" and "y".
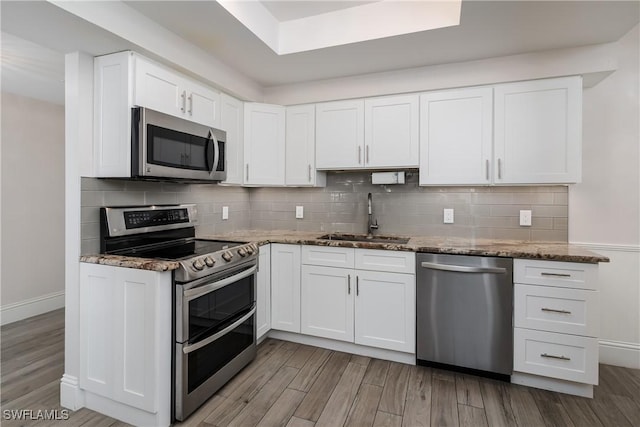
{"x": 555, "y": 273}
{"x": 381, "y": 260}
{"x": 571, "y": 311}
{"x": 328, "y": 256}
{"x": 566, "y": 357}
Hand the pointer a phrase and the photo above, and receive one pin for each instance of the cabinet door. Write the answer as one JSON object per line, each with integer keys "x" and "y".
{"x": 456, "y": 137}
{"x": 264, "y": 144}
{"x": 263, "y": 297}
{"x": 391, "y": 132}
{"x": 285, "y": 287}
{"x": 385, "y": 310}
{"x": 231, "y": 121}
{"x": 158, "y": 88}
{"x": 327, "y": 302}
{"x": 112, "y": 115}
{"x": 300, "y": 147}
{"x": 538, "y": 131}
{"x": 203, "y": 104}
{"x": 340, "y": 135}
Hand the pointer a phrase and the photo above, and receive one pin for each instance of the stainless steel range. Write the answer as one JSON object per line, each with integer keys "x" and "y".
{"x": 214, "y": 305}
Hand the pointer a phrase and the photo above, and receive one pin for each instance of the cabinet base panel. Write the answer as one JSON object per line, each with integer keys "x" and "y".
{"x": 347, "y": 347}
{"x": 552, "y": 384}
{"x": 127, "y": 414}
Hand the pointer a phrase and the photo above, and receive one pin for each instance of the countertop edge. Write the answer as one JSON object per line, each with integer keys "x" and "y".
{"x": 548, "y": 251}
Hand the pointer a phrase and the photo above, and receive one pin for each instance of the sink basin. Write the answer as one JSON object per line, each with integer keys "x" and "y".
{"x": 364, "y": 238}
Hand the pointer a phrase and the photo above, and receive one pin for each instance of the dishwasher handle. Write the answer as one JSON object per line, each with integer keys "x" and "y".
{"x": 463, "y": 268}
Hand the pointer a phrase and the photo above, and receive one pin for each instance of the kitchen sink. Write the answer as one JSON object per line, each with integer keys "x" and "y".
{"x": 365, "y": 238}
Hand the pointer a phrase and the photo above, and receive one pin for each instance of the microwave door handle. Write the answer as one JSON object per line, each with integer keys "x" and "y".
{"x": 193, "y": 347}
{"x": 216, "y": 151}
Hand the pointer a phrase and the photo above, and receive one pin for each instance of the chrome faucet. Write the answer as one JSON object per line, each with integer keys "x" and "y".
{"x": 370, "y": 224}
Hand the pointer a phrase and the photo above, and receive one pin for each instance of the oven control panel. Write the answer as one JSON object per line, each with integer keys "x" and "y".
{"x": 216, "y": 261}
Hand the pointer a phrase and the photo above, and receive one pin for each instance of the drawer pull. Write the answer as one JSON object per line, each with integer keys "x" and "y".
{"x": 555, "y": 274}
{"x": 555, "y": 311}
{"x": 551, "y": 356}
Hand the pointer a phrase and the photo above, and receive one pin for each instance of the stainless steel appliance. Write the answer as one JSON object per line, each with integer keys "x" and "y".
{"x": 167, "y": 147}
{"x": 464, "y": 313}
{"x": 214, "y": 303}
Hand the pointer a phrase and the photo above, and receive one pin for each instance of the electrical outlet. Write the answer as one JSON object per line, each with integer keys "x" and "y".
{"x": 225, "y": 212}
{"x": 448, "y": 216}
{"x": 525, "y": 218}
{"x": 299, "y": 212}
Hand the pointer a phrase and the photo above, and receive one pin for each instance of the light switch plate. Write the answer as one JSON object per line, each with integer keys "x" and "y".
{"x": 525, "y": 218}
{"x": 225, "y": 212}
{"x": 299, "y": 212}
{"x": 448, "y": 216}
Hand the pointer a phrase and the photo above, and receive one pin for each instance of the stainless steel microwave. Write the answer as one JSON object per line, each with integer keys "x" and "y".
{"x": 167, "y": 147}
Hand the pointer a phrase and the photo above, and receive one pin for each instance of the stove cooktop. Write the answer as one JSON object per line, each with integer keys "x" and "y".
{"x": 181, "y": 250}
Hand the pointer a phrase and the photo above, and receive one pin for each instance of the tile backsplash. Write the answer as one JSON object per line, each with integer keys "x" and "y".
{"x": 209, "y": 199}
{"x": 489, "y": 212}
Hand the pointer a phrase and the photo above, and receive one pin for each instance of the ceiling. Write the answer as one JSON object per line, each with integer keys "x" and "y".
{"x": 487, "y": 29}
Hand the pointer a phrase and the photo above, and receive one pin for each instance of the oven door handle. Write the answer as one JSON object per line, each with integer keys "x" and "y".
{"x": 193, "y": 347}
{"x": 197, "y": 292}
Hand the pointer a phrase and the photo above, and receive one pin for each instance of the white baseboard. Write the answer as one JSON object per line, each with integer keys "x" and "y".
{"x": 620, "y": 354}
{"x": 553, "y": 384}
{"x": 32, "y": 307}
{"x": 71, "y": 396}
{"x": 346, "y": 347}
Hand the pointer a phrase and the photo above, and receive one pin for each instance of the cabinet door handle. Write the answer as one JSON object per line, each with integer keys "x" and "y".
{"x": 184, "y": 100}
{"x": 357, "y": 285}
{"x": 499, "y": 168}
{"x": 367, "y": 154}
{"x": 247, "y": 173}
{"x": 487, "y": 170}
{"x": 555, "y": 274}
{"x": 309, "y": 169}
{"x": 551, "y": 356}
{"x": 348, "y": 284}
{"x": 190, "y": 111}
{"x": 553, "y": 310}
{"x": 359, "y": 154}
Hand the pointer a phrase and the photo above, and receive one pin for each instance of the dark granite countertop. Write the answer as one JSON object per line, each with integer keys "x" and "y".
{"x": 552, "y": 251}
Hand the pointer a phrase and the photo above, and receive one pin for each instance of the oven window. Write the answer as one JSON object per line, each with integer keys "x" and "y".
{"x": 209, "y": 312}
{"x": 206, "y": 361}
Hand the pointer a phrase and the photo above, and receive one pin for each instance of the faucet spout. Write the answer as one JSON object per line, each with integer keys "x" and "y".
{"x": 370, "y": 223}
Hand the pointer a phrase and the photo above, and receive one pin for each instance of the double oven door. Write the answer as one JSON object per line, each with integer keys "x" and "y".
{"x": 215, "y": 334}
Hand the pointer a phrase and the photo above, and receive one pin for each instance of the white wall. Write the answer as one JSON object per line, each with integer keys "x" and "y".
{"x": 604, "y": 210}
{"x": 32, "y": 207}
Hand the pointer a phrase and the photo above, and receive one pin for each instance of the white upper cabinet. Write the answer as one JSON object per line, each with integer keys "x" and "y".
{"x": 164, "y": 90}
{"x": 231, "y": 121}
{"x": 300, "y": 148}
{"x": 124, "y": 80}
{"x": 391, "y": 132}
{"x": 456, "y": 137}
{"x": 340, "y": 135}
{"x": 538, "y": 131}
{"x": 510, "y": 134}
{"x": 264, "y": 144}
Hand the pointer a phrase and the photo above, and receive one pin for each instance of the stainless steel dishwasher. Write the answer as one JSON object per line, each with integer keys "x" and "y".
{"x": 464, "y": 313}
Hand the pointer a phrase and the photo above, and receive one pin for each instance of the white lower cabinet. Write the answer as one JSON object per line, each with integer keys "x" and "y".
{"x": 556, "y": 316}
{"x": 263, "y": 292}
{"x": 125, "y": 342}
{"x": 368, "y": 307}
{"x": 326, "y": 302}
{"x": 385, "y": 310}
{"x": 285, "y": 287}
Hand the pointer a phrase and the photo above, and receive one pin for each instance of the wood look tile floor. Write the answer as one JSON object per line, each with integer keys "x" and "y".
{"x": 301, "y": 386}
